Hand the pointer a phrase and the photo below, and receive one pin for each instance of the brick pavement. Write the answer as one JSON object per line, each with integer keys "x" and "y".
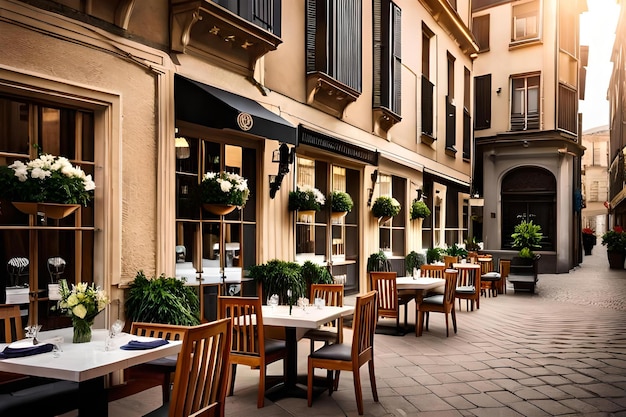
{"x": 559, "y": 352}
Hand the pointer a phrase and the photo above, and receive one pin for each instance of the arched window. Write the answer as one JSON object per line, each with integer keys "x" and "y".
{"x": 529, "y": 193}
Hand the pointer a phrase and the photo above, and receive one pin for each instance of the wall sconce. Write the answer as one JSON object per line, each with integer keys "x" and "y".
{"x": 374, "y": 178}
{"x": 182, "y": 146}
{"x": 420, "y": 194}
{"x": 283, "y": 157}
{"x": 499, "y": 90}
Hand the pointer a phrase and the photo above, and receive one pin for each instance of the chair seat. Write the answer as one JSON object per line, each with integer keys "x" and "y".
{"x": 274, "y": 345}
{"x": 491, "y": 276}
{"x": 433, "y": 299}
{"x": 469, "y": 289}
{"x": 337, "y": 351}
{"x": 41, "y": 400}
{"x": 168, "y": 362}
{"x": 322, "y": 334}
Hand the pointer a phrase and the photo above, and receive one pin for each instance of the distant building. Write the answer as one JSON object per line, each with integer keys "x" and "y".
{"x": 595, "y": 178}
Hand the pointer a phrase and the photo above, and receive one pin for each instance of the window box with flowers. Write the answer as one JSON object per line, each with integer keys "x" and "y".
{"x": 223, "y": 192}
{"x": 385, "y": 207}
{"x": 589, "y": 240}
{"x": 306, "y": 200}
{"x": 48, "y": 184}
{"x": 615, "y": 242}
{"x": 340, "y": 204}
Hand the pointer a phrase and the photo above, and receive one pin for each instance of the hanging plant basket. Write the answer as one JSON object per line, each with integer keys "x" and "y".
{"x": 338, "y": 214}
{"x": 384, "y": 219}
{"x": 306, "y": 216}
{"x": 51, "y": 210}
{"x": 219, "y": 209}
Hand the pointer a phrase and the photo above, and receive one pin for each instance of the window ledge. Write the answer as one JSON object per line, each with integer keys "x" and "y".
{"x": 384, "y": 119}
{"x": 220, "y": 36}
{"x": 451, "y": 151}
{"x": 329, "y": 95}
{"x": 524, "y": 43}
{"x": 428, "y": 139}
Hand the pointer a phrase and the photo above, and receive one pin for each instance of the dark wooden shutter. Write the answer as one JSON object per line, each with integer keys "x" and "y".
{"x": 397, "y": 59}
{"x": 482, "y": 102}
{"x": 480, "y": 29}
{"x": 377, "y": 52}
{"x": 450, "y": 125}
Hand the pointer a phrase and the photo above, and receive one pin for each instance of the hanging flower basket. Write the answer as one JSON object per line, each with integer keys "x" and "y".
{"x": 219, "y": 209}
{"x": 51, "y": 210}
{"x": 335, "y": 215}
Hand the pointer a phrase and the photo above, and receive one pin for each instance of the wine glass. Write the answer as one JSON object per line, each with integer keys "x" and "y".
{"x": 32, "y": 332}
{"x": 117, "y": 327}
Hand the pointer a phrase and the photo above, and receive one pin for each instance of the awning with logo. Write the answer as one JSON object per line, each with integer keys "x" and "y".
{"x": 209, "y": 106}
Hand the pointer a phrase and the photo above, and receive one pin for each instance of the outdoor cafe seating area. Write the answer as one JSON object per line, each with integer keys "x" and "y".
{"x": 196, "y": 366}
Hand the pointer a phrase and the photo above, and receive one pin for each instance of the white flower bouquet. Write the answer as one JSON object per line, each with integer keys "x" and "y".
{"x": 224, "y": 188}
{"x": 47, "y": 179}
{"x": 82, "y": 303}
{"x": 306, "y": 197}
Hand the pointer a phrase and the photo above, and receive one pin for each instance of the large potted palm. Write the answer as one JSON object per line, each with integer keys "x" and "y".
{"x": 526, "y": 237}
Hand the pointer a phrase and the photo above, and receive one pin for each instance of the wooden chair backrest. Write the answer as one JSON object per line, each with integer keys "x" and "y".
{"x": 505, "y": 268}
{"x": 486, "y": 265}
{"x": 365, "y": 318}
{"x": 202, "y": 371}
{"x": 385, "y": 284}
{"x": 451, "y": 276}
{"x": 467, "y": 274}
{"x": 208, "y": 411}
{"x": 160, "y": 330}
{"x": 247, "y": 318}
{"x": 449, "y": 260}
{"x": 331, "y": 293}
{"x": 432, "y": 271}
{"x": 12, "y": 318}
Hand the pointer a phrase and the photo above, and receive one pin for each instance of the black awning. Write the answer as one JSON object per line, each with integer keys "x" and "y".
{"x": 205, "y": 105}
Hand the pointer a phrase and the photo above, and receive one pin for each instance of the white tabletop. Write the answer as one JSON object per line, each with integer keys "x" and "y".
{"x": 466, "y": 265}
{"x": 309, "y": 318}
{"x": 83, "y": 361}
{"x": 419, "y": 283}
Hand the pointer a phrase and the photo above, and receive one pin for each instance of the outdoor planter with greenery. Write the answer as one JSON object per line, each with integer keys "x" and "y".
{"x": 340, "y": 202}
{"x": 456, "y": 250}
{"x": 589, "y": 239}
{"x": 434, "y": 255}
{"x": 224, "y": 188}
{"x": 277, "y": 277}
{"x": 615, "y": 242}
{"x": 385, "y": 207}
{"x": 526, "y": 237}
{"x": 162, "y": 300}
{"x": 413, "y": 260}
{"x": 378, "y": 261}
{"x": 419, "y": 210}
{"x": 306, "y": 198}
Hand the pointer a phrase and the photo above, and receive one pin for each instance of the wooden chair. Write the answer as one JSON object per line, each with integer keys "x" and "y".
{"x": 449, "y": 260}
{"x": 440, "y": 303}
{"x": 201, "y": 379}
{"x": 332, "y": 294}
{"x": 433, "y": 271}
{"x": 486, "y": 266}
{"x": 249, "y": 346}
{"x": 468, "y": 285}
{"x": 22, "y": 394}
{"x": 505, "y": 268}
{"x": 389, "y": 299}
{"x": 350, "y": 357}
{"x": 150, "y": 374}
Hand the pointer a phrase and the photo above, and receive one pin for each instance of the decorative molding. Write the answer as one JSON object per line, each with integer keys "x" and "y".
{"x": 384, "y": 119}
{"x": 205, "y": 28}
{"x": 123, "y": 12}
{"x": 329, "y": 95}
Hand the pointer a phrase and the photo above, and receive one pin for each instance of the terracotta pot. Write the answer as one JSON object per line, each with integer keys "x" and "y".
{"x": 616, "y": 259}
{"x": 219, "y": 209}
{"x": 52, "y": 210}
{"x": 338, "y": 214}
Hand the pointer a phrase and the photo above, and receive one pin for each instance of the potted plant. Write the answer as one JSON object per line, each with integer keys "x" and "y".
{"x": 526, "y": 237}
{"x": 419, "y": 210}
{"x": 281, "y": 278}
{"x": 48, "y": 184}
{"x": 472, "y": 244}
{"x": 589, "y": 239}
{"x": 615, "y": 242}
{"x": 413, "y": 260}
{"x": 313, "y": 273}
{"x": 307, "y": 200}
{"x": 340, "y": 204}
{"x": 385, "y": 207}
{"x": 223, "y": 192}
{"x": 456, "y": 250}
{"x": 434, "y": 255}
{"x": 378, "y": 261}
{"x": 161, "y": 300}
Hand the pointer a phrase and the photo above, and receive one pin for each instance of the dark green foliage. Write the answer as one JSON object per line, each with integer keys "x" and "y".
{"x": 378, "y": 262}
{"x": 456, "y": 250}
{"x": 419, "y": 210}
{"x": 413, "y": 260}
{"x": 527, "y": 235}
{"x": 385, "y": 206}
{"x": 277, "y": 277}
{"x": 434, "y": 255}
{"x": 162, "y": 300}
{"x": 340, "y": 201}
{"x": 315, "y": 274}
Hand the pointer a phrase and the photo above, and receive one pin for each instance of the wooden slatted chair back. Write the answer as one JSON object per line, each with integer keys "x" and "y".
{"x": 432, "y": 271}
{"x": 385, "y": 284}
{"x": 11, "y": 317}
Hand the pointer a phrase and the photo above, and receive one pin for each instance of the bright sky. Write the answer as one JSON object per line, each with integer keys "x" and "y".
{"x": 597, "y": 27}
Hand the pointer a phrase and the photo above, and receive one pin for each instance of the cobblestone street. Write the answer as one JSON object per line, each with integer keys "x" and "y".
{"x": 559, "y": 352}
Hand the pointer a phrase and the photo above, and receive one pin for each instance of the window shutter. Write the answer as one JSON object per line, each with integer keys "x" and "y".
{"x": 482, "y": 105}
{"x": 397, "y": 59}
{"x": 377, "y": 53}
{"x": 311, "y": 34}
{"x": 481, "y": 31}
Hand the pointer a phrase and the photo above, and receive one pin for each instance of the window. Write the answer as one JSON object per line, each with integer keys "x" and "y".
{"x": 450, "y": 108}
{"x": 263, "y": 13}
{"x": 392, "y": 232}
{"x": 387, "y": 55}
{"x": 525, "y": 103}
{"x": 480, "y": 29}
{"x": 59, "y": 131}
{"x": 467, "y": 119}
{"x": 482, "y": 102}
{"x": 333, "y": 40}
{"x": 208, "y": 243}
{"x": 428, "y": 87}
{"x": 525, "y": 21}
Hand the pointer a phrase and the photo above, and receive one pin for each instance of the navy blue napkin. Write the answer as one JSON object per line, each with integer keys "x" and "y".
{"x": 137, "y": 345}
{"x": 9, "y": 352}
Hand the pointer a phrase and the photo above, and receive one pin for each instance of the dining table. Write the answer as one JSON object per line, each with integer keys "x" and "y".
{"x": 419, "y": 284}
{"x": 88, "y": 363}
{"x": 294, "y": 318}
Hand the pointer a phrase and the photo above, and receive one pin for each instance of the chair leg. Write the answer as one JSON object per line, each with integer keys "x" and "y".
{"x": 260, "y": 401}
{"x": 427, "y": 319}
{"x": 447, "y": 327}
{"x": 373, "y": 379}
{"x": 358, "y": 393}
{"x": 336, "y": 384}
{"x": 233, "y": 372}
{"x": 309, "y": 384}
{"x": 167, "y": 382}
{"x": 454, "y": 319}
{"x": 420, "y": 323}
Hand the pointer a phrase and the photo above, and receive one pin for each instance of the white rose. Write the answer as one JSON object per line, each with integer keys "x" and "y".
{"x": 79, "y": 311}
{"x": 225, "y": 186}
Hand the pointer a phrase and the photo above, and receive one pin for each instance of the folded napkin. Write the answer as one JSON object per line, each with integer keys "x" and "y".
{"x": 10, "y": 352}
{"x": 137, "y": 345}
